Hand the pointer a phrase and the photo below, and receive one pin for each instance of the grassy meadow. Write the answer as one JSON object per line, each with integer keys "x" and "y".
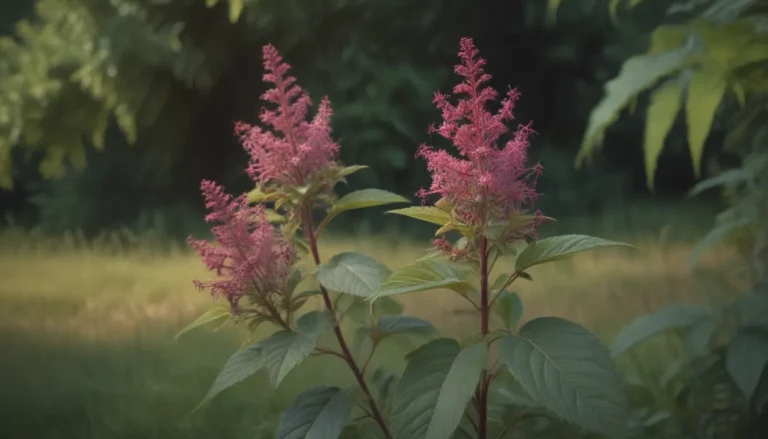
{"x": 86, "y": 328}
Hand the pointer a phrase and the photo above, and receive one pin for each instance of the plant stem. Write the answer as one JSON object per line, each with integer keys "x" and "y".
{"x": 482, "y": 391}
{"x": 345, "y": 352}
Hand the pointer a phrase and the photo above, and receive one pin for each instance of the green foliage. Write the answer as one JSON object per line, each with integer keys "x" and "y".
{"x": 212, "y": 315}
{"x": 352, "y": 273}
{"x": 720, "y": 53}
{"x": 319, "y": 413}
{"x": 559, "y": 247}
{"x": 566, "y": 369}
{"x": 510, "y": 309}
{"x": 435, "y": 388}
{"x": 427, "y": 274}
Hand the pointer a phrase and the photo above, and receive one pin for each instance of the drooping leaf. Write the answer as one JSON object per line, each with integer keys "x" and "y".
{"x": 746, "y": 358}
{"x": 352, "y": 273}
{"x": 559, "y": 247}
{"x": 663, "y": 109}
{"x": 241, "y": 365}
{"x": 429, "y": 214}
{"x": 212, "y": 315}
{"x": 317, "y": 413}
{"x": 705, "y": 92}
{"x": 731, "y": 176}
{"x": 510, "y": 309}
{"x": 285, "y": 350}
{"x": 427, "y": 274}
{"x": 715, "y": 236}
{"x": 235, "y": 9}
{"x": 566, "y": 369}
{"x": 364, "y": 198}
{"x": 404, "y": 325}
{"x": 637, "y": 74}
{"x": 435, "y": 388}
{"x": 676, "y": 316}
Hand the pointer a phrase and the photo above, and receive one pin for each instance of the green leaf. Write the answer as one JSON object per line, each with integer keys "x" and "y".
{"x": 318, "y": 413}
{"x": 566, "y": 369}
{"x": 437, "y": 384}
{"x": 559, "y": 247}
{"x": 429, "y": 214}
{"x": 663, "y": 109}
{"x": 212, "y": 315}
{"x": 750, "y": 308}
{"x": 427, "y": 274}
{"x": 349, "y": 170}
{"x": 729, "y": 177}
{"x": 698, "y": 337}
{"x": 383, "y": 380}
{"x": 352, "y": 273}
{"x": 241, "y": 365}
{"x": 235, "y": 9}
{"x": 284, "y": 350}
{"x": 676, "y": 316}
{"x": 365, "y": 198}
{"x": 705, "y": 92}
{"x": 510, "y": 309}
{"x": 747, "y": 357}
{"x": 404, "y": 325}
{"x": 714, "y": 237}
{"x": 637, "y": 74}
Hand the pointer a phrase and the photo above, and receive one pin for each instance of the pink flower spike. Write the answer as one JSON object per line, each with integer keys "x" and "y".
{"x": 249, "y": 258}
{"x": 296, "y": 149}
{"x": 486, "y": 181}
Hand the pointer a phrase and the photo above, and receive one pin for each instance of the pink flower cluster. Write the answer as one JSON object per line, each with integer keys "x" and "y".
{"x": 298, "y": 149}
{"x": 249, "y": 257}
{"x": 488, "y": 182}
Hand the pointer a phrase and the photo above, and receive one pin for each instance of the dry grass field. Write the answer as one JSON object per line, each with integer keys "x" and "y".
{"x": 86, "y": 329}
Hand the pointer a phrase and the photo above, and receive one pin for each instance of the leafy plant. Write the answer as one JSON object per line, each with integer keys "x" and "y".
{"x": 719, "y": 54}
{"x": 449, "y": 388}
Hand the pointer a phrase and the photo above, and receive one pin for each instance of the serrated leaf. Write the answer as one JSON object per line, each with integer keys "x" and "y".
{"x": 352, "y": 273}
{"x": 566, "y": 369}
{"x": 437, "y": 384}
{"x": 212, "y": 315}
{"x": 559, "y": 247}
{"x": 404, "y": 325}
{"x": 427, "y": 274}
{"x": 676, "y": 316}
{"x": 746, "y": 358}
{"x": 510, "y": 309}
{"x": 429, "y": 214}
{"x": 285, "y": 350}
{"x": 705, "y": 92}
{"x": 662, "y": 111}
{"x": 320, "y": 412}
{"x": 241, "y": 365}
{"x": 637, "y": 74}
{"x": 365, "y": 198}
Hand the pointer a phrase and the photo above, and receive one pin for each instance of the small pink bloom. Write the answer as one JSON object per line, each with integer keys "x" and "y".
{"x": 249, "y": 257}
{"x": 487, "y": 181}
{"x": 296, "y": 149}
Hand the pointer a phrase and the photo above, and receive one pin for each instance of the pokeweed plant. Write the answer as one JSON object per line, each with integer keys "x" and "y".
{"x": 446, "y": 387}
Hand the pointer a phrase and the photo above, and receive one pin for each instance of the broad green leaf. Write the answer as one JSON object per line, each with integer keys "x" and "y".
{"x": 637, "y": 74}
{"x": 235, "y": 9}
{"x": 698, "y": 337}
{"x": 750, "y": 308}
{"x": 285, "y": 349}
{"x": 676, "y": 316}
{"x": 360, "y": 310}
{"x": 212, "y": 315}
{"x": 349, "y": 170}
{"x": 365, "y": 198}
{"x": 731, "y": 176}
{"x": 241, "y": 365}
{"x": 427, "y": 274}
{"x": 559, "y": 247}
{"x": 429, "y": 214}
{"x": 318, "y": 413}
{"x": 437, "y": 384}
{"x": 404, "y": 325}
{"x": 352, "y": 273}
{"x": 566, "y": 369}
{"x": 746, "y": 358}
{"x": 714, "y": 237}
{"x": 510, "y": 308}
{"x": 705, "y": 92}
{"x": 383, "y": 379}
{"x": 663, "y": 109}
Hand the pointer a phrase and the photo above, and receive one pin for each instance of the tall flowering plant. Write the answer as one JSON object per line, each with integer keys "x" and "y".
{"x": 448, "y": 388}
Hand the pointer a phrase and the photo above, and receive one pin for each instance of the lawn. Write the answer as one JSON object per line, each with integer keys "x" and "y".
{"x": 86, "y": 330}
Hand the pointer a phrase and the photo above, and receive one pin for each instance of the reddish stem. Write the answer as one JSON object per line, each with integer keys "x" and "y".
{"x": 346, "y": 354}
{"x": 482, "y": 392}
